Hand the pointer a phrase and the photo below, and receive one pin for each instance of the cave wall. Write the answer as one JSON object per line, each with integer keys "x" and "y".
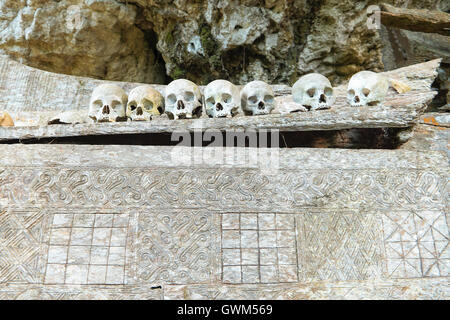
{"x": 92, "y": 38}
{"x": 154, "y": 41}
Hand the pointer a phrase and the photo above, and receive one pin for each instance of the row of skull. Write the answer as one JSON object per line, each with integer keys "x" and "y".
{"x": 184, "y": 100}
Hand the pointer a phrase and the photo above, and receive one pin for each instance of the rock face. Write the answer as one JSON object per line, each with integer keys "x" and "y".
{"x": 133, "y": 40}
{"x": 274, "y": 41}
{"x": 92, "y": 38}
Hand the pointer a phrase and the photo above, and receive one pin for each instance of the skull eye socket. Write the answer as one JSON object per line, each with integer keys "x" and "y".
{"x": 366, "y": 92}
{"x": 210, "y": 102}
{"x": 189, "y": 96}
{"x": 115, "y": 103}
{"x": 311, "y": 92}
{"x": 148, "y": 104}
{"x": 132, "y": 105}
{"x": 171, "y": 99}
{"x": 268, "y": 99}
{"x": 351, "y": 92}
{"x": 226, "y": 98}
{"x": 328, "y": 91}
{"x": 253, "y": 99}
{"x": 98, "y": 103}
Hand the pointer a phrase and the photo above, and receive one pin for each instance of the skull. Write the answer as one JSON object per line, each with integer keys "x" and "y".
{"x": 222, "y": 99}
{"x": 108, "y": 103}
{"x": 314, "y": 91}
{"x": 257, "y": 98}
{"x": 183, "y": 100}
{"x": 367, "y": 88}
{"x": 143, "y": 102}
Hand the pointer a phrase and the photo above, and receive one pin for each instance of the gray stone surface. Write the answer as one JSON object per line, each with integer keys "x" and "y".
{"x": 90, "y": 222}
{"x": 92, "y": 38}
{"x": 143, "y": 40}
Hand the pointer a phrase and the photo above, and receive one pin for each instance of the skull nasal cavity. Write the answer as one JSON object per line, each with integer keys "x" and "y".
{"x": 322, "y": 99}
{"x": 356, "y": 99}
{"x": 180, "y": 105}
{"x": 139, "y": 111}
{"x": 105, "y": 110}
{"x": 261, "y": 105}
{"x": 219, "y": 107}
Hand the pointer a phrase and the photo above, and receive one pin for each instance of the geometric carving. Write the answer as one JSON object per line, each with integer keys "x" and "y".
{"x": 87, "y": 249}
{"x": 339, "y": 246}
{"x": 324, "y": 215}
{"x": 288, "y": 190}
{"x": 21, "y": 235}
{"x": 175, "y": 246}
{"x": 417, "y": 244}
{"x": 258, "y": 248}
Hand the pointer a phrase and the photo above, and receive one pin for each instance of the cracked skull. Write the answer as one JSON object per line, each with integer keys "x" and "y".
{"x": 108, "y": 103}
{"x": 222, "y": 99}
{"x": 257, "y": 98}
{"x": 367, "y": 88}
{"x": 183, "y": 100}
{"x": 313, "y": 91}
{"x": 144, "y": 102}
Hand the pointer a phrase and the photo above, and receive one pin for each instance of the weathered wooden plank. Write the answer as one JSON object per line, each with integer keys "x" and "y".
{"x": 419, "y": 20}
{"x": 113, "y": 156}
{"x": 32, "y": 97}
{"x": 401, "y": 289}
{"x": 51, "y": 164}
{"x": 397, "y": 114}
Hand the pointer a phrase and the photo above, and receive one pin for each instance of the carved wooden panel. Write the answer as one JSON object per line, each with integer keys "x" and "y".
{"x": 94, "y": 216}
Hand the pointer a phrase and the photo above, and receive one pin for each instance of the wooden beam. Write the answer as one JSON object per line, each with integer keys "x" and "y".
{"x": 33, "y": 96}
{"x": 418, "y": 20}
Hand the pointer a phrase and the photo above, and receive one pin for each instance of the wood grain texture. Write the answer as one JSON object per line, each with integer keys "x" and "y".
{"x": 419, "y": 20}
{"x": 32, "y": 97}
{"x": 324, "y": 224}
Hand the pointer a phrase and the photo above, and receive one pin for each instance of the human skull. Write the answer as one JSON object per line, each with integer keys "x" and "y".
{"x": 257, "y": 98}
{"x": 144, "y": 102}
{"x": 367, "y": 88}
{"x": 183, "y": 100}
{"x": 108, "y": 103}
{"x": 313, "y": 91}
{"x": 222, "y": 99}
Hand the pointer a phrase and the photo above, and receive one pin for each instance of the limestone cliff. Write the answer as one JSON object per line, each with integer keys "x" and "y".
{"x": 155, "y": 40}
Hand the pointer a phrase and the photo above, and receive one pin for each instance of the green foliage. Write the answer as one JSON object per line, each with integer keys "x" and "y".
{"x": 177, "y": 73}
{"x": 208, "y": 43}
{"x": 215, "y": 62}
{"x": 169, "y": 39}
